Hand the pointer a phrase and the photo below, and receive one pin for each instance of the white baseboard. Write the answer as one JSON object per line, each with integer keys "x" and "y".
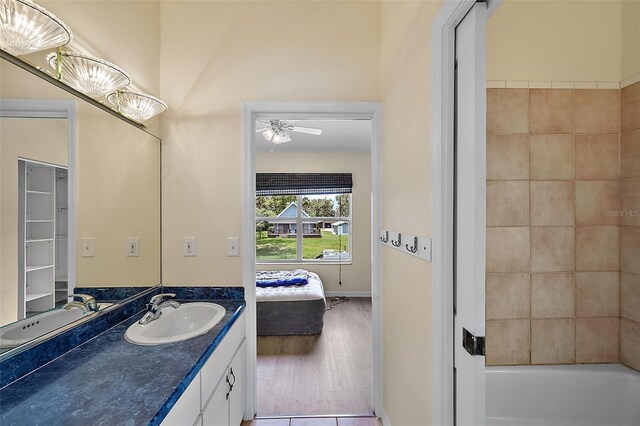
{"x": 347, "y": 294}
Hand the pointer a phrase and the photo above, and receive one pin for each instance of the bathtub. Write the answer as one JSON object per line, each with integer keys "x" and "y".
{"x": 585, "y": 395}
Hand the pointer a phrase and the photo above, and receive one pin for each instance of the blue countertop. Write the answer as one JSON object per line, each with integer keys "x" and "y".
{"x": 109, "y": 381}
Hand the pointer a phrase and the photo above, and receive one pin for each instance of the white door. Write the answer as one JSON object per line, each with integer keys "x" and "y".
{"x": 469, "y": 220}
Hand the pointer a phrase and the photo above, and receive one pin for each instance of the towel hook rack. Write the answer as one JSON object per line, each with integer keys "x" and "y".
{"x": 397, "y": 243}
{"x": 414, "y": 247}
{"x": 385, "y": 238}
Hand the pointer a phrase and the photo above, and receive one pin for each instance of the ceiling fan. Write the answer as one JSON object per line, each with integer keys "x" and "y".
{"x": 277, "y": 131}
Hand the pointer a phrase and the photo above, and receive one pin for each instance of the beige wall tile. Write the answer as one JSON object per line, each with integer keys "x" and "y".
{"x": 507, "y": 342}
{"x": 507, "y": 111}
{"x": 507, "y": 203}
{"x": 553, "y": 341}
{"x": 597, "y": 202}
{"x": 630, "y": 343}
{"x": 552, "y": 203}
{"x": 552, "y": 111}
{"x": 552, "y": 157}
{"x": 507, "y": 156}
{"x": 597, "y": 111}
{"x": 552, "y": 295}
{"x": 597, "y": 340}
{"x": 508, "y": 249}
{"x": 597, "y": 248}
{"x": 630, "y": 202}
{"x": 552, "y": 249}
{"x": 597, "y": 294}
{"x": 630, "y": 296}
{"x": 630, "y": 108}
{"x": 630, "y": 154}
{"x": 630, "y": 249}
{"x": 597, "y": 157}
{"x": 507, "y": 296}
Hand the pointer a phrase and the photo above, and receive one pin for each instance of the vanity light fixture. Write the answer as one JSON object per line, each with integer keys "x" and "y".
{"x": 135, "y": 105}
{"x": 26, "y": 27}
{"x": 92, "y": 76}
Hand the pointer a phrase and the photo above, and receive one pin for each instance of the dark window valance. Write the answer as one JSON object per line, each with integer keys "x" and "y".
{"x": 303, "y": 183}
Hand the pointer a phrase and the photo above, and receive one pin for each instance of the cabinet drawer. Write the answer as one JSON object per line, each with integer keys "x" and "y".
{"x": 187, "y": 408}
{"x": 216, "y": 365}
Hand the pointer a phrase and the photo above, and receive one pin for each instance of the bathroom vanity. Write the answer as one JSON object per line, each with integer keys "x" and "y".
{"x": 105, "y": 380}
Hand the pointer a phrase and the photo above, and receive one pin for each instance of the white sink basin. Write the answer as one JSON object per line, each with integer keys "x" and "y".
{"x": 174, "y": 325}
{"x": 22, "y": 331}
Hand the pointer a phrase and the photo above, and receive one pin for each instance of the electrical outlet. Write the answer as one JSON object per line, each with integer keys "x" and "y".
{"x": 133, "y": 247}
{"x": 189, "y": 247}
{"x": 88, "y": 247}
{"x": 232, "y": 246}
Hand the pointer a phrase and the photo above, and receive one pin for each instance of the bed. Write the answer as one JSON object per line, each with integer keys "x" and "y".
{"x": 292, "y": 309}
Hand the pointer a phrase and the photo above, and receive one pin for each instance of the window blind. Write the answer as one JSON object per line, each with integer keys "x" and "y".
{"x": 303, "y": 183}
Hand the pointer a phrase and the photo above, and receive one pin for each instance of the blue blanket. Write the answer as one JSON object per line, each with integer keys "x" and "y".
{"x": 282, "y": 278}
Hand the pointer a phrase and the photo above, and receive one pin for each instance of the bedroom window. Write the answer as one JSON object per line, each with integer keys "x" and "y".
{"x": 295, "y": 224}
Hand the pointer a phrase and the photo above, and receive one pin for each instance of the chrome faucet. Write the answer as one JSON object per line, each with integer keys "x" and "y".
{"x": 156, "y": 305}
{"x": 87, "y": 303}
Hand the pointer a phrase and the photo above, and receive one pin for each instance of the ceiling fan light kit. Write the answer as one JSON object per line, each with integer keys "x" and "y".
{"x": 278, "y": 131}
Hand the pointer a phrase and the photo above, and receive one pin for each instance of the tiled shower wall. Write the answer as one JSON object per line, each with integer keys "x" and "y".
{"x": 553, "y": 228}
{"x": 630, "y": 226}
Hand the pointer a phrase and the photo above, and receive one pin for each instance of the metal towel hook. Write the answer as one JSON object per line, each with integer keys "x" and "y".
{"x": 397, "y": 243}
{"x": 414, "y": 247}
{"x": 385, "y": 238}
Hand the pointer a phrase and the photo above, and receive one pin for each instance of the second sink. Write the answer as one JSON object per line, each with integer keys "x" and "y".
{"x": 174, "y": 325}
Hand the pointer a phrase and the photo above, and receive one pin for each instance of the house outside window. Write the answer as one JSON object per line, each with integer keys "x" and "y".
{"x": 324, "y": 222}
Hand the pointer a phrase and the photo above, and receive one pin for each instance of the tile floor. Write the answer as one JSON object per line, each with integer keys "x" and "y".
{"x": 316, "y": 421}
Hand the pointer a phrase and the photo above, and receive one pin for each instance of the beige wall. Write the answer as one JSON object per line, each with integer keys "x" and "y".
{"x": 537, "y": 40}
{"x": 406, "y": 207}
{"x": 118, "y": 197}
{"x": 630, "y": 60}
{"x": 22, "y": 138}
{"x": 118, "y": 187}
{"x": 124, "y": 32}
{"x": 357, "y": 276}
{"x": 323, "y": 51}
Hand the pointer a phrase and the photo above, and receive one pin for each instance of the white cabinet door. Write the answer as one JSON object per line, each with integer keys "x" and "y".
{"x": 216, "y": 412}
{"x": 238, "y": 378}
{"x": 187, "y": 408}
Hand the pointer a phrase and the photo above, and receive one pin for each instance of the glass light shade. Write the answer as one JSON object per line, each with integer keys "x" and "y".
{"x": 92, "y": 76}
{"x": 281, "y": 137}
{"x": 137, "y": 106}
{"x": 26, "y": 27}
{"x": 269, "y": 134}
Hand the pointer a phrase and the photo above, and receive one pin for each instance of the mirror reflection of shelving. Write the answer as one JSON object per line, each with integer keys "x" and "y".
{"x": 42, "y": 239}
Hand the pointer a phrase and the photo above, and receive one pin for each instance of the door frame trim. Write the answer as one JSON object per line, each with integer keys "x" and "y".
{"x": 442, "y": 134}
{"x": 345, "y": 110}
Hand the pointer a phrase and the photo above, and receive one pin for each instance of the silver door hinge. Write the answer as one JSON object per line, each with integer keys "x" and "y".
{"x": 473, "y": 344}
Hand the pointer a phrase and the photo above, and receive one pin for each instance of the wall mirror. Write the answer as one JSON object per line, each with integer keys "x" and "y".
{"x": 75, "y": 188}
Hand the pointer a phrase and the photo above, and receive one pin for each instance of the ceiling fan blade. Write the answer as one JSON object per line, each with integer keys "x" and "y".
{"x": 262, "y": 130}
{"x": 308, "y": 130}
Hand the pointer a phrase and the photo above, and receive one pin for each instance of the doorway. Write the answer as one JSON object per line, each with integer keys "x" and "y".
{"x": 260, "y": 112}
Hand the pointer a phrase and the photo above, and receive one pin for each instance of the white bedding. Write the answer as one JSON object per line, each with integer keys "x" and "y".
{"x": 311, "y": 291}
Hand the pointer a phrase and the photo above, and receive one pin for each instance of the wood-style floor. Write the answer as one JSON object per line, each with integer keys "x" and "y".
{"x": 329, "y": 374}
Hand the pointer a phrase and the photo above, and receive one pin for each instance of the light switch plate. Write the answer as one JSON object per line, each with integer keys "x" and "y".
{"x": 88, "y": 247}
{"x": 232, "y": 246}
{"x": 189, "y": 247}
{"x": 133, "y": 246}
